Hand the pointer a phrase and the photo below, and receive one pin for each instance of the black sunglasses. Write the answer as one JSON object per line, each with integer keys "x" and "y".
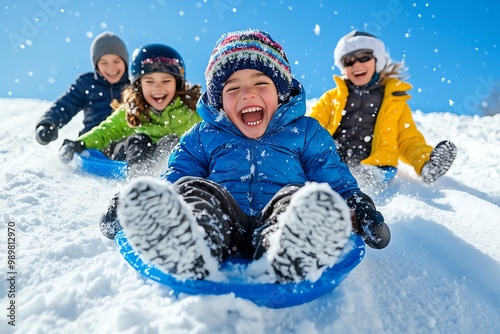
{"x": 362, "y": 57}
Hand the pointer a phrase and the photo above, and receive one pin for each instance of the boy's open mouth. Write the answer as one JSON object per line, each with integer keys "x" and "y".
{"x": 252, "y": 116}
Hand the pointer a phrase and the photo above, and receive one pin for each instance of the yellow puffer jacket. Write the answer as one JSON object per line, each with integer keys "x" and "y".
{"x": 395, "y": 135}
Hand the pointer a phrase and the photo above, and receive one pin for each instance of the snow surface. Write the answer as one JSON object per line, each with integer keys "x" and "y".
{"x": 440, "y": 274}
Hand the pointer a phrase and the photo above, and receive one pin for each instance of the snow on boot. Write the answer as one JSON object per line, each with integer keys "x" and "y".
{"x": 165, "y": 145}
{"x": 108, "y": 223}
{"x": 161, "y": 227}
{"x": 311, "y": 234}
{"x": 440, "y": 161}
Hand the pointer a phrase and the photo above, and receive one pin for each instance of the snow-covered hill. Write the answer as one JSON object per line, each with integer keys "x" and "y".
{"x": 440, "y": 274}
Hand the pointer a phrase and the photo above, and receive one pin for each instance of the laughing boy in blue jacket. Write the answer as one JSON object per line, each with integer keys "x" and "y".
{"x": 255, "y": 179}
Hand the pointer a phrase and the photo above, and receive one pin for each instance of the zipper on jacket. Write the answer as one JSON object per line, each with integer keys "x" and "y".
{"x": 112, "y": 93}
{"x": 253, "y": 170}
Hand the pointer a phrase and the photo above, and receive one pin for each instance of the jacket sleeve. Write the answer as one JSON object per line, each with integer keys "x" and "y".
{"x": 328, "y": 109}
{"x": 321, "y": 110}
{"x": 322, "y": 163}
{"x": 67, "y": 106}
{"x": 187, "y": 158}
{"x": 412, "y": 146}
{"x": 325, "y": 111}
{"x": 112, "y": 129}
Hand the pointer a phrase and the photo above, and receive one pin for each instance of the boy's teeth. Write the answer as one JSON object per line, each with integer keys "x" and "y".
{"x": 251, "y": 110}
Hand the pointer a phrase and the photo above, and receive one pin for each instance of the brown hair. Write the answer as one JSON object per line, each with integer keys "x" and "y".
{"x": 394, "y": 70}
{"x": 137, "y": 109}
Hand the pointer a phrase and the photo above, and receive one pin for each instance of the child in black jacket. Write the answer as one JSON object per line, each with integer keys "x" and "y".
{"x": 92, "y": 92}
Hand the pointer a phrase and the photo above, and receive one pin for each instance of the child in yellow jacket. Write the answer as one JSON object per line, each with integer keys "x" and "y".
{"x": 369, "y": 118}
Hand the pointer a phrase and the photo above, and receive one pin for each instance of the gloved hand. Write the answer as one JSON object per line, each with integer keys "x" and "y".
{"x": 68, "y": 149}
{"x": 46, "y": 132}
{"x": 369, "y": 222}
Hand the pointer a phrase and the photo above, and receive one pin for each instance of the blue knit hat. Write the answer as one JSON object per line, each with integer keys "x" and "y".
{"x": 247, "y": 49}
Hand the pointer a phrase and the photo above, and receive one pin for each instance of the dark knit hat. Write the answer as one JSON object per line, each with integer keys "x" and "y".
{"x": 107, "y": 43}
{"x": 247, "y": 49}
{"x": 359, "y": 40}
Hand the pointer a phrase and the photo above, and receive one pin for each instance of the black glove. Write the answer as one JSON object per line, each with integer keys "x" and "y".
{"x": 69, "y": 148}
{"x": 369, "y": 222}
{"x": 46, "y": 132}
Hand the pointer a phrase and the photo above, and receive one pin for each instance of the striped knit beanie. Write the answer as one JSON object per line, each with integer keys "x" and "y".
{"x": 247, "y": 49}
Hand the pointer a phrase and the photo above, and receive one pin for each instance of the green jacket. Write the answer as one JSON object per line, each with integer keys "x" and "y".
{"x": 176, "y": 119}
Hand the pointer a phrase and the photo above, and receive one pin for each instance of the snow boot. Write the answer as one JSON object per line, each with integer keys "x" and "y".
{"x": 439, "y": 162}
{"x": 145, "y": 158}
{"x": 108, "y": 223}
{"x": 161, "y": 227}
{"x": 165, "y": 146}
{"x": 139, "y": 150}
{"x": 311, "y": 234}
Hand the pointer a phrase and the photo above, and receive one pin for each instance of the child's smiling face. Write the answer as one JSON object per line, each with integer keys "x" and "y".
{"x": 250, "y": 99}
{"x": 361, "y": 72}
{"x": 158, "y": 89}
{"x": 111, "y": 67}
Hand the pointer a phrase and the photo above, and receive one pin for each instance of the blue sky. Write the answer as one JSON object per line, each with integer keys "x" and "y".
{"x": 452, "y": 50}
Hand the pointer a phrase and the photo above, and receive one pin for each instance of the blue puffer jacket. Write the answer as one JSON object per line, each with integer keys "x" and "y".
{"x": 293, "y": 150}
{"x": 90, "y": 93}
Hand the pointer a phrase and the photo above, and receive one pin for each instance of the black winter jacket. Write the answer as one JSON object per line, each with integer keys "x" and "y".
{"x": 90, "y": 93}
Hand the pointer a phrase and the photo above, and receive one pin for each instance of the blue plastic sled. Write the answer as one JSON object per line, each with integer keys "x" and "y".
{"x": 95, "y": 162}
{"x": 262, "y": 294}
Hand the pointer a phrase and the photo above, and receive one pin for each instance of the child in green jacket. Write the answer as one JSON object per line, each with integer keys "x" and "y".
{"x": 158, "y": 107}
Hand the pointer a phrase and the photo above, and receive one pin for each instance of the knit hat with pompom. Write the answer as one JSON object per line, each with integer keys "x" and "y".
{"x": 247, "y": 49}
